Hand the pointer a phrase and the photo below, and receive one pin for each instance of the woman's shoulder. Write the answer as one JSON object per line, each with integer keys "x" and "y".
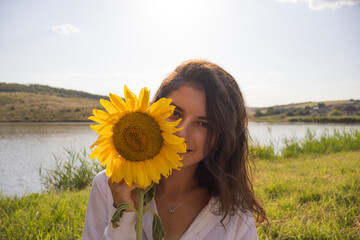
{"x": 241, "y": 222}
{"x": 100, "y": 179}
{"x": 100, "y": 187}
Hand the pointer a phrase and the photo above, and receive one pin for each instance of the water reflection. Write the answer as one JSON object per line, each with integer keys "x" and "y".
{"x": 27, "y": 146}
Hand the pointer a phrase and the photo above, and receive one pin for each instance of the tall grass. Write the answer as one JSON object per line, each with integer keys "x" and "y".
{"x": 327, "y": 142}
{"x": 75, "y": 172}
{"x": 262, "y": 151}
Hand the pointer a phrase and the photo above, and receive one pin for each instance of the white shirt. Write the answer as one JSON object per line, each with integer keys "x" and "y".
{"x": 205, "y": 226}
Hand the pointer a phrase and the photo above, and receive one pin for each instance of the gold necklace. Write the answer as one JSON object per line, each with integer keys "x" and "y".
{"x": 172, "y": 209}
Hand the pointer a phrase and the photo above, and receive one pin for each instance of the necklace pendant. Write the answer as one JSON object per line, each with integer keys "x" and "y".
{"x": 171, "y": 210}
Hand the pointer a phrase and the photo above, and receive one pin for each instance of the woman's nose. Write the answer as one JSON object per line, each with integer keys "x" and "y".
{"x": 185, "y": 132}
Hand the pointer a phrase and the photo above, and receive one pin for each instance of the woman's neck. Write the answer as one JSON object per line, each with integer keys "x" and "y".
{"x": 179, "y": 182}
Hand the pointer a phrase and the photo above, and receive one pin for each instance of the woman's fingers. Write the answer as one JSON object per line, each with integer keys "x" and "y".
{"x": 122, "y": 193}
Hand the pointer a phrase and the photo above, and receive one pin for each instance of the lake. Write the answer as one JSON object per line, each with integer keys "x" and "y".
{"x": 24, "y": 147}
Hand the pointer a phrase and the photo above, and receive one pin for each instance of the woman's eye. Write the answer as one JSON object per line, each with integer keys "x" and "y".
{"x": 176, "y": 115}
{"x": 204, "y": 124}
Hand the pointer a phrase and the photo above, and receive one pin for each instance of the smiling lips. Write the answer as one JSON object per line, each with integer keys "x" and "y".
{"x": 188, "y": 150}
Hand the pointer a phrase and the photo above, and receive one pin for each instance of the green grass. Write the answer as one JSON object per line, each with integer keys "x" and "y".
{"x": 43, "y": 216}
{"x": 310, "y": 197}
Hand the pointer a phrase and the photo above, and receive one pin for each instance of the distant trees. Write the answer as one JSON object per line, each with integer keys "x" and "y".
{"x": 272, "y": 111}
{"x": 258, "y": 113}
{"x": 321, "y": 105}
{"x": 334, "y": 113}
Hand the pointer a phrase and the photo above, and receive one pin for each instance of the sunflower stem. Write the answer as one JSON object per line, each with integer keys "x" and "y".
{"x": 140, "y": 210}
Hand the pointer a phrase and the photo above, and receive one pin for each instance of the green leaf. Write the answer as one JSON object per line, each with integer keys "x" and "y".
{"x": 118, "y": 214}
{"x": 149, "y": 194}
{"x": 157, "y": 228}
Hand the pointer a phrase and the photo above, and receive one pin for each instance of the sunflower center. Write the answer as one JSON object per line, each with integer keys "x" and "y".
{"x": 134, "y": 137}
{"x": 137, "y": 136}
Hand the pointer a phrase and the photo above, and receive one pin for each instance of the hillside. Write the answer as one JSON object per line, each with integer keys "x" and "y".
{"x": 341, "y": 111}
{"x": 47, "y": 90}
{"x": 39, "y": 103}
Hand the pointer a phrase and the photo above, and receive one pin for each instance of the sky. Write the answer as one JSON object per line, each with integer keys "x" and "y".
{"x": 279, "y": 51}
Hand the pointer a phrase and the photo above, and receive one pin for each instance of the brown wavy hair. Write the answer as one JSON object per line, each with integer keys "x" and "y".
{"x": 225, "y": 171}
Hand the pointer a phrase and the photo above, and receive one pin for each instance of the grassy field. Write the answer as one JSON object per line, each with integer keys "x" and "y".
{"x": 308, "y": 197}
{"x": 34, "y": 107}
{"x": 43, "y": 216}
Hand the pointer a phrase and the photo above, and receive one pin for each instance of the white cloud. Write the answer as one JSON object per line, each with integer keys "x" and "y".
{"x": 65, "y": 29}
{"x": 323, "y": 4}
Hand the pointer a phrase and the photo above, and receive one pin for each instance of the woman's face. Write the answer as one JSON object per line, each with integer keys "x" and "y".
{"x": 191, "y": 108}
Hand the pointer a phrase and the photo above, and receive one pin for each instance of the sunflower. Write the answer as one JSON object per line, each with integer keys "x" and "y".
{"x": 135, "y": 143}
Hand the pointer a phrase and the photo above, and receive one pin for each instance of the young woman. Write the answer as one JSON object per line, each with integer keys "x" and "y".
{"x": 212, "y": 196}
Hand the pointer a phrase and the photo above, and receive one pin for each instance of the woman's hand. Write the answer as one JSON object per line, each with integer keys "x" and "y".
{"x": 121, "y": 193}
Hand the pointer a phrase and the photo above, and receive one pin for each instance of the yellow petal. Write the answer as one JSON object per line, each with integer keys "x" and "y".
{"x": 119, "y": 169}
{"x": 169, "y": 162}
{"x": 140, "y": 176}
{"x": 108, "y": 106}
{"x": 172, "y": 139}
{"x": 96, "y": 119}
{"x": 106, "y": 153}
{"x": 128, "y": 174}
{"x": 118, "y": 102}
{"x": 101, "y": 139}
{"x": 145, "y": 172}
{"x": 97, "y": 152}
{"x": 169, "y": 127}
{"x": 131, "y": 98}
{"x": 161, "y": 109}
{"x": 152, "y": 171}
{"x": 179, "y": 148}
{"x": 175, "y": 123}
{"x": 101, "y": 114}
{"x": 144, "y": 100}
{"x": 95, "y": 128}
{"x": 170, "y": 154}
{"x": 110, "y": 169}
{"x": 106, "y": 156}
{"x": 102, "y": 129}
{"x": 162, "y": 167}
